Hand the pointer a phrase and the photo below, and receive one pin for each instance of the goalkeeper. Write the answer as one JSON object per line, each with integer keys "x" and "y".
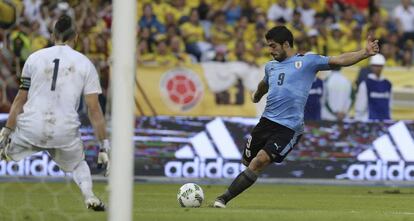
{"x": 44, "y": 117}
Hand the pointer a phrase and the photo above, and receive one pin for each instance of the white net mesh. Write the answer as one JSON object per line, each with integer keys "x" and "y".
{"x": 36, "y": 189}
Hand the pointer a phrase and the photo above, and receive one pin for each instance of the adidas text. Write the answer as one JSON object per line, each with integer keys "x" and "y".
{"x": 200, "y": 169}
{"x": 37, "y": 165}
{"x": 381, "y": 171}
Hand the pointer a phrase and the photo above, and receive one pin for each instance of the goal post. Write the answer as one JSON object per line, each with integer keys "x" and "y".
{"x": 124, "y": 28}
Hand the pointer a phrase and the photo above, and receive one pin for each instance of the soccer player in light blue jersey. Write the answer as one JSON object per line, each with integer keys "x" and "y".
{"x": 288, "y": 79}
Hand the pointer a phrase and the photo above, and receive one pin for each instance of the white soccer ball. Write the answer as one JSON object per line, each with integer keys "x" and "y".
{"x": 190, "y": 195}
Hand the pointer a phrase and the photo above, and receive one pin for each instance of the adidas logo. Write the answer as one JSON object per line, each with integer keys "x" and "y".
{"x": 211, "y": 153}
{"x": 390, "y": 157}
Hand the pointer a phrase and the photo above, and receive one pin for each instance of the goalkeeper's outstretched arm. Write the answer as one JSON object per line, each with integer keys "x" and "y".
{"x": 96, "y": 116}
{"x": 16, "y": 108}
{"x": 98, "y": 123}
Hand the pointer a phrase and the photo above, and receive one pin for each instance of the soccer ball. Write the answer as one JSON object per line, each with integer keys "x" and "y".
{"x": 190, "y": 195}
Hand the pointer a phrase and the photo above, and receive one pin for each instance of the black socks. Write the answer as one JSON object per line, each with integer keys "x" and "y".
{"x": 243, "y": 181}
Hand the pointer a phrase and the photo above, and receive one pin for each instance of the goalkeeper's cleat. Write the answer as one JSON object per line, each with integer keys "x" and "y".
{"x": 95, "y": 204}
{"x": 219, "y": 203}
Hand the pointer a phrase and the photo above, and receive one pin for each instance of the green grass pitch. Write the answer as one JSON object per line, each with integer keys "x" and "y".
{"x": 62, "y": 201}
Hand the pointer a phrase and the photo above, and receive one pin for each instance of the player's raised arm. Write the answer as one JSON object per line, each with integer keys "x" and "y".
{"x": 262, "y": 89}
{"x": 350, "y": 58}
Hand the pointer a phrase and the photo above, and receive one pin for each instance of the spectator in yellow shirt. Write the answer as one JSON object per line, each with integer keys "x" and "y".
{"x": 354, "y": 41}
{"x": 336, "y": 41}
{"x": 163, "y": 56}
{"x": 172, "y": 32}
{"x": 376, "y": 25}
{"x": 180, "y": 9}
{"x": 193, "y": 34}
{"x": 347, "y": 22}
{"x": 144, "y": 53}
{"x": 390, "y": 53}
{"x": 182, "y": 58}
{"x": 37, "y": 41}
{"x": 221, "y": 33}
{"x": 260, "y": 33}
{"x": 239, "y": 52}
{"x": 258, "y": 55}
{"x": 316, "y": 43}
{"x": 296, "y": 26}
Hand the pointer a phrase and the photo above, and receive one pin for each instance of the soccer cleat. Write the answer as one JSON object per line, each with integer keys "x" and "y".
{"x": 219, "y": 203}
{"x": 95, "y": 204}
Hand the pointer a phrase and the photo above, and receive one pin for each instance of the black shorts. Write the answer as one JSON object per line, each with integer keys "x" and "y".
{"x": 277, "y": 140}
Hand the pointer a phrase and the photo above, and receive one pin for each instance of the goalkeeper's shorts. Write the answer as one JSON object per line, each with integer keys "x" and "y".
{"x": 67, "y": 158}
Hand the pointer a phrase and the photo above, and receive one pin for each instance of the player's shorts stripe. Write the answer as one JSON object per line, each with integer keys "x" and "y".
{"x": 290, "y": 144}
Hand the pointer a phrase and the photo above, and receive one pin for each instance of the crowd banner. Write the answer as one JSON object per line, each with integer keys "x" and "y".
{"x": 225, "y": 88}
{"x": 186, "y": 91}
{"x": 221, "y": 76}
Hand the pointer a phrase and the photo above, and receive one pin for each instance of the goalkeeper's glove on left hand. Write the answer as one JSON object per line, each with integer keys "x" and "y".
{"x": 4, "y": 137}
{"x": 103, "y": 156}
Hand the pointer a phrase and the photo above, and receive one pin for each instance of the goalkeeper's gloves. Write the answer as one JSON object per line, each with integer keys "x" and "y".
{"x": 103, "y": 156}
{"x": 4, "y": 137}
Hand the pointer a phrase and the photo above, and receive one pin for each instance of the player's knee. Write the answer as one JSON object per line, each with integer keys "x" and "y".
{"x": 263, "y": 157}
{"x": 260, "y": 161}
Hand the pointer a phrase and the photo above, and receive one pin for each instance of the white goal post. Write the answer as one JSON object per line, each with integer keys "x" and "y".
{"x": 124, "y": 28}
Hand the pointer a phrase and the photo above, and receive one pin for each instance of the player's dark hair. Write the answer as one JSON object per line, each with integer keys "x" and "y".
{"x": 64, "y": 28}
{"x": 280, "y": 34}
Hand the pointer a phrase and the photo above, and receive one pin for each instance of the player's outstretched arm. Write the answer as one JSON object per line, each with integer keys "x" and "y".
{"x": 262, "y": 89}
{"x": 350, "y": 58}
{"x": 98, "y": 123}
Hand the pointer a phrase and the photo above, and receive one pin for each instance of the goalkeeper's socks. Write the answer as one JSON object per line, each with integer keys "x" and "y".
{"x": 82, "y": 177}
{"x": 243, "y": 181}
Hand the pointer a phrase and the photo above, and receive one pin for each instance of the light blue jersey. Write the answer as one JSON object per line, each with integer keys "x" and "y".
{"x": 289, "y": 84}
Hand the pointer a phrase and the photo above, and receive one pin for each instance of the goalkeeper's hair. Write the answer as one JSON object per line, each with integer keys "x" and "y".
{"x": 64, "y": 29}
{"x": 280, "y": 34}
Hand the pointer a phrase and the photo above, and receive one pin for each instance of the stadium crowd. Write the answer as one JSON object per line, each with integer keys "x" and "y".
{"x": 174, "y": 32}
{"x": 234, "y": 29}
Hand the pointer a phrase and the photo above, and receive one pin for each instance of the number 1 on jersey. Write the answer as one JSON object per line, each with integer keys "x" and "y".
{"x": 55, "y": 73}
